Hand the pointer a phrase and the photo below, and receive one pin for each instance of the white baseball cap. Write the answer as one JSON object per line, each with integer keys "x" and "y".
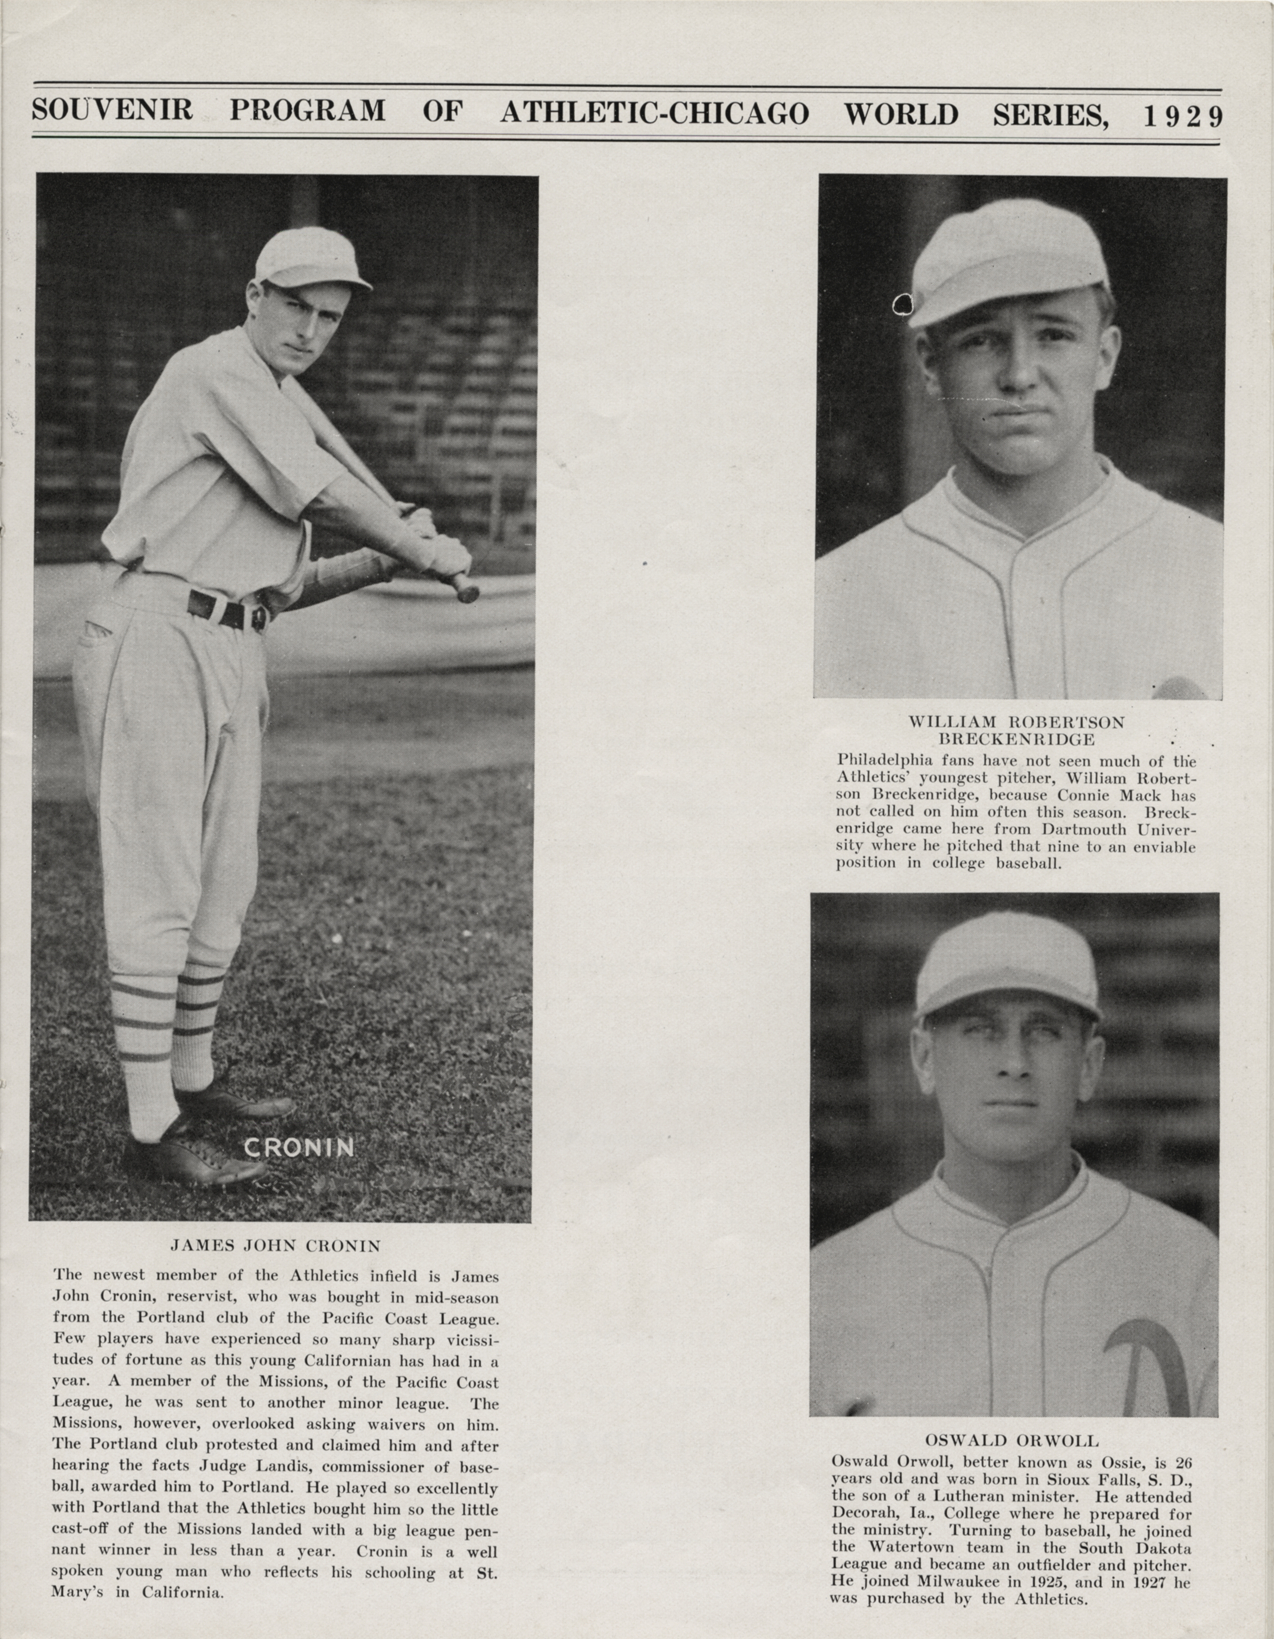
{"x": 308, "y": 256}
{"x": 1008, "y": 950}
{"x": 1012, "y": 247}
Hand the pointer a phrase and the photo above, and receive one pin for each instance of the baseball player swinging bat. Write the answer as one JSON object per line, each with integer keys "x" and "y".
{"x": 177, "y": 663}
{"x": 329, "y": 439}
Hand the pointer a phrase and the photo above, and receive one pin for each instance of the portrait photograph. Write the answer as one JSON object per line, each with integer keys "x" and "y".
{"x": 283, "y": 697}
{"x": 1020, "y": 444}
{"x": 1014, "y": 1154}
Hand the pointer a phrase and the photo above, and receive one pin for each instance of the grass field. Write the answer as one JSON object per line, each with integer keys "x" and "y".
{"x": 384, "y": 982}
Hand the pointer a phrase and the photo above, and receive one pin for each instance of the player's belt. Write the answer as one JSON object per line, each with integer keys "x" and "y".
{"x": 234, "y": 614}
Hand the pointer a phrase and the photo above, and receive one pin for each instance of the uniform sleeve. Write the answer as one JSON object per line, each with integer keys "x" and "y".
{"x": 1204, "y": 1323}
{"x": 277, "y": 599}
{"x": 242, "y": 417}
{"x": 829, "y": 1303}
{"x": 1207, "y": 1404}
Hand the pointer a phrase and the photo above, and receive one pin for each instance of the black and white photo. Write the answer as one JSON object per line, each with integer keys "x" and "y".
{"x": 1021, "y": 394}
{"x": 1017, "y": 1279}
{"x": 366, "y": 1055}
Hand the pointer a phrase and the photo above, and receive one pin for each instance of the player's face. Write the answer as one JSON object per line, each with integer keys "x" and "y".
{"x": 1018, "y": 378}
{"x": 290, "y": 328}
{"x": 1008, "y": 1068}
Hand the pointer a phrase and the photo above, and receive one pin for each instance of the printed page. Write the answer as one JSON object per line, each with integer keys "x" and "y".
{"x": 635, "y": 818}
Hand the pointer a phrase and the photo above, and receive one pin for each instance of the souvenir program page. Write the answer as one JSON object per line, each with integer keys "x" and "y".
{"x": 635, "y": 730}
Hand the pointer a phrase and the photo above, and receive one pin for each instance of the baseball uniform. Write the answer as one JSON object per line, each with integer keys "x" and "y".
{"x": 218, "y": 466}
{"x": 1102, "y": 1304}
{"x": 1118, "y": 600}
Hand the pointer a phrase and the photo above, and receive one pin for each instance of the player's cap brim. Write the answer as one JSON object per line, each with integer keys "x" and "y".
{"x": 1025, "y": 273}
{"x": 1005, "y": 978}
{"x": 292, "y": 278}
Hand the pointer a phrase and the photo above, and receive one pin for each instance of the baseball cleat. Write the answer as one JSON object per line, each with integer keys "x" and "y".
{"x": 217, "y": 1102}
{"x": 182, "y": 1159}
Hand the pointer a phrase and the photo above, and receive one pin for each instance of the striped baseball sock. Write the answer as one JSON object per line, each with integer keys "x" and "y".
{"x": 198, "y": 994}
{"x": 142, "y": 1011}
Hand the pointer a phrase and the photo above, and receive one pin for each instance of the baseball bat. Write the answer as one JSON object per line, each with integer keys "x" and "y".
{"x": 329, "y": 439}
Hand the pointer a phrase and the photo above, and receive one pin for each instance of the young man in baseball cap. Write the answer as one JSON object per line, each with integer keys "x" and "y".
{"x": 1015, "y": 1282}
{"x": 221, "y": 477}
{"x": 1034, "y": 570}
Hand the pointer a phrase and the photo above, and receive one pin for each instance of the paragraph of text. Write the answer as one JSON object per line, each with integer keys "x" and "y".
{"x": 210, "y": 1427}
{"x": 990, "y": 1528}
{"x": 974, "y": 811}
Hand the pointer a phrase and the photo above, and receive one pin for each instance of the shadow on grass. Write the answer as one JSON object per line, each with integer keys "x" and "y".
{"x": 384, "y": 982}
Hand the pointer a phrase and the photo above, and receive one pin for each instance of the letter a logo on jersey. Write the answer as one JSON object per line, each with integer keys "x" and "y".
{"x": 1149, "y": 1334}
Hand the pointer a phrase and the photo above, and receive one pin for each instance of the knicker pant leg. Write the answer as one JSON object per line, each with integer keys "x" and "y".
{"x": 148, "y": 720}
{"x": 231, "y": 810}
{"x": 92, "y": 670}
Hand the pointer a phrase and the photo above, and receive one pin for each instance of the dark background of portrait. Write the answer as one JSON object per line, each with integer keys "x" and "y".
{"x": 431, "y": 377}
{"x": 1153, "y": 1123}
{"x": 882, "y": 442}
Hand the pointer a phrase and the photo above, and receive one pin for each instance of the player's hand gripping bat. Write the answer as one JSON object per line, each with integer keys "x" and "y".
{"x": 329, "y": 439}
